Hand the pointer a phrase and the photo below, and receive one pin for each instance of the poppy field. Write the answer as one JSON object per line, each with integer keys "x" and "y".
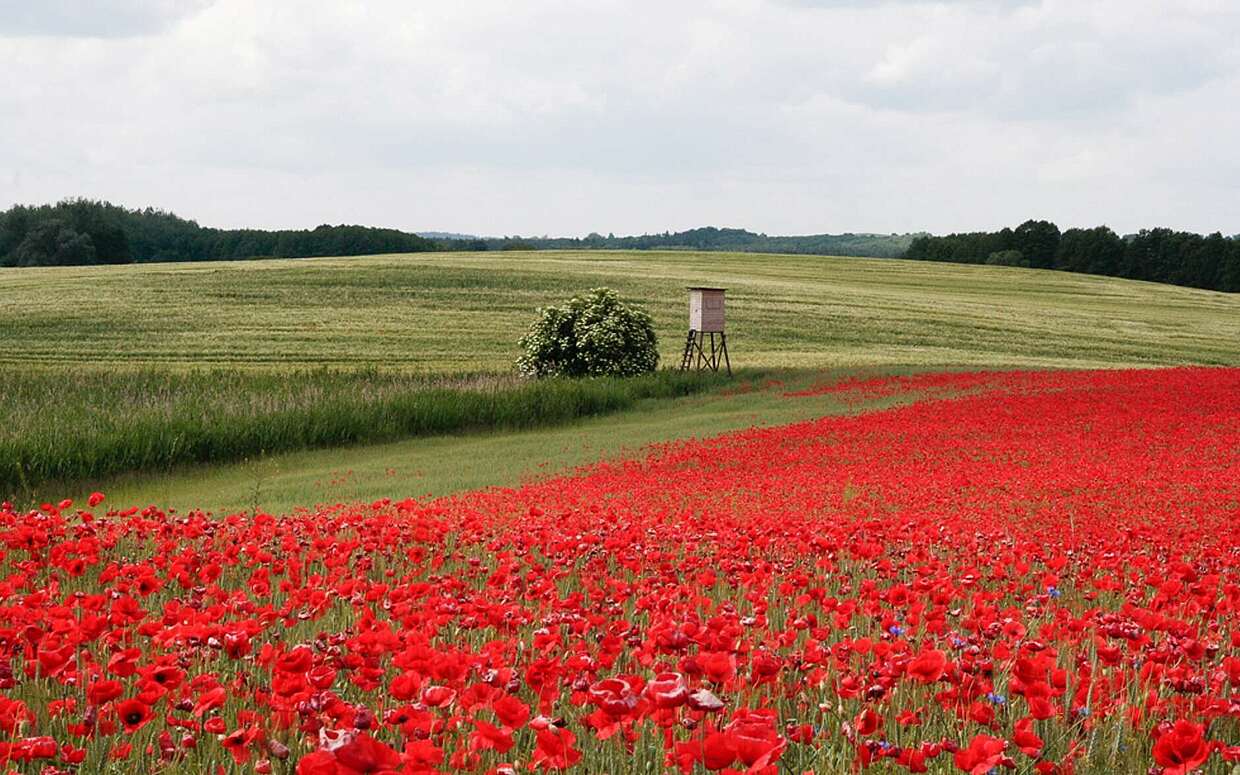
{"x": 1027, "y": 572}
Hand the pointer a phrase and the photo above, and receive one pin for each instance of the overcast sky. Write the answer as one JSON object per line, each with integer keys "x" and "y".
{"x": 557, "y": 117}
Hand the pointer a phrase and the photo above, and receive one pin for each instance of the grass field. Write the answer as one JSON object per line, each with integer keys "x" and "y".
{"x": 444, "y": 464}
{"x": 464, "y": 312}
{"x": 104, "y": 364}
{"x": 83, "y": 427}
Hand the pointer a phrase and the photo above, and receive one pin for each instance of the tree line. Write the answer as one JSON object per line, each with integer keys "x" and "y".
{"x": 82, "y": 231}
{"x": 1157, "y": 255}
{"x": 708, "y": 238}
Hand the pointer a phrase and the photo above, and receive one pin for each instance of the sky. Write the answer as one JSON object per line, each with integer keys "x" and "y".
{"x": 536, "y": 117}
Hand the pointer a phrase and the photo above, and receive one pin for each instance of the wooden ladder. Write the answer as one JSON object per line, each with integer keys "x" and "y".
{"x": 686, "y": 360}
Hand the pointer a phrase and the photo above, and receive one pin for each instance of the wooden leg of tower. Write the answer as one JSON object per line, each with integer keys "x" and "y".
{"x": 723, "y": 345}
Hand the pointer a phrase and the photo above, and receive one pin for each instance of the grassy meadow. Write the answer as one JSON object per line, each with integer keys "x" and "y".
{"x": 64, "y": 429}
{"x": 144, "y": 369}
{"x": 454, "y": 313}
{"x": 436, "y": 465}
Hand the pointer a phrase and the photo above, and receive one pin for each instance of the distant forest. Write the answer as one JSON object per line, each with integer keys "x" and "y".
{"x": 1157, "y": 255}
{"x": 728, "y": 240}
{"x": 81, "y": 231}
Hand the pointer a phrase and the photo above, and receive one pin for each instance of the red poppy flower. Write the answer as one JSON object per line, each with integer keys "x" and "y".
{"x": 1025, "y": 738}
{"x": 554, "y": 749}
{"x": 363, "y": 753}
{"x": 103, "y": 691}
{"x": 511, "y": 712}
{"x": 133, "y": 714}
{"x": 667, "y": 690}
{"x": 489, "y": 736}
{"x": 928, "y": 666}
{"x": 704, "y": 700}
{"x": 1182, "y": 748}
{"x": 756, "y": 737}
{"x": 867, "y": 722}
{"x": 438, "y": 696}
{"x": 614, "y": 696}
{"x": 317, "y": 763}
{"x": 983, "y": 754}
{"x": 718, "y": 751}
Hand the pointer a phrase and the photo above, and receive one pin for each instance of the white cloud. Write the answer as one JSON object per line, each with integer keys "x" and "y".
{"x": 553, "y": 116}
{"x": 92, "y": 18}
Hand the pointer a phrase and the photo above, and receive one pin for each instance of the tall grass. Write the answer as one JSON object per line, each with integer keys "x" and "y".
{"x": 81, "y": 426}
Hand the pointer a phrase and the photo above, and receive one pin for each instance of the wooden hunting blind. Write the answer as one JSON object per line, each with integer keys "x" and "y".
{"x": 706, "y": 320}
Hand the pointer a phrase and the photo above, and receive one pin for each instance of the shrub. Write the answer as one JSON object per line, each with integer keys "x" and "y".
{"x": 591, "y": 336}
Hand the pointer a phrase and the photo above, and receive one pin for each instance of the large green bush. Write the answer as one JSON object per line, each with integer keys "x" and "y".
{"x": 591, "y": 336}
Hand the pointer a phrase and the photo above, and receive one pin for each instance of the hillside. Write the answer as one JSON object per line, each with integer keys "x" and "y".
{"x": 147, "y": 367}
{"x": 464, "y": 312}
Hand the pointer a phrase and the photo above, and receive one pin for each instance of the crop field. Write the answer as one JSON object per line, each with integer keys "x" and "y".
{"x": 462, "y": 313}
{"x": 1034, "y": 572}
{"x": 144, "y": 370}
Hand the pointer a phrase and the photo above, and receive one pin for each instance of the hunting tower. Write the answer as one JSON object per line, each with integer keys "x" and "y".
{"x": 706, "y": 320}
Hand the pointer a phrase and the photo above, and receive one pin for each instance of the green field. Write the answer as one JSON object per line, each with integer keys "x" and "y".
{"x": 443, "y": 464}
{"x": 106, "y": 364}
{"x": 464, "y": 312}
{"x": 62, "y": 429}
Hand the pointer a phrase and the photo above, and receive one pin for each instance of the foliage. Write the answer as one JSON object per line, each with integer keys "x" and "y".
{"x": 1040, "y": 575}
{"x": 1007, "y": 258}
{"x": 53, "y": 243}
{"x": 88, "y": 425}
{"x": 122, "y": 235}
{"x": 591, "y": 336}
{"x": 1158, "y": 255}
{"x": 725, "y": 240}
{"x": 80, "y": 231}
